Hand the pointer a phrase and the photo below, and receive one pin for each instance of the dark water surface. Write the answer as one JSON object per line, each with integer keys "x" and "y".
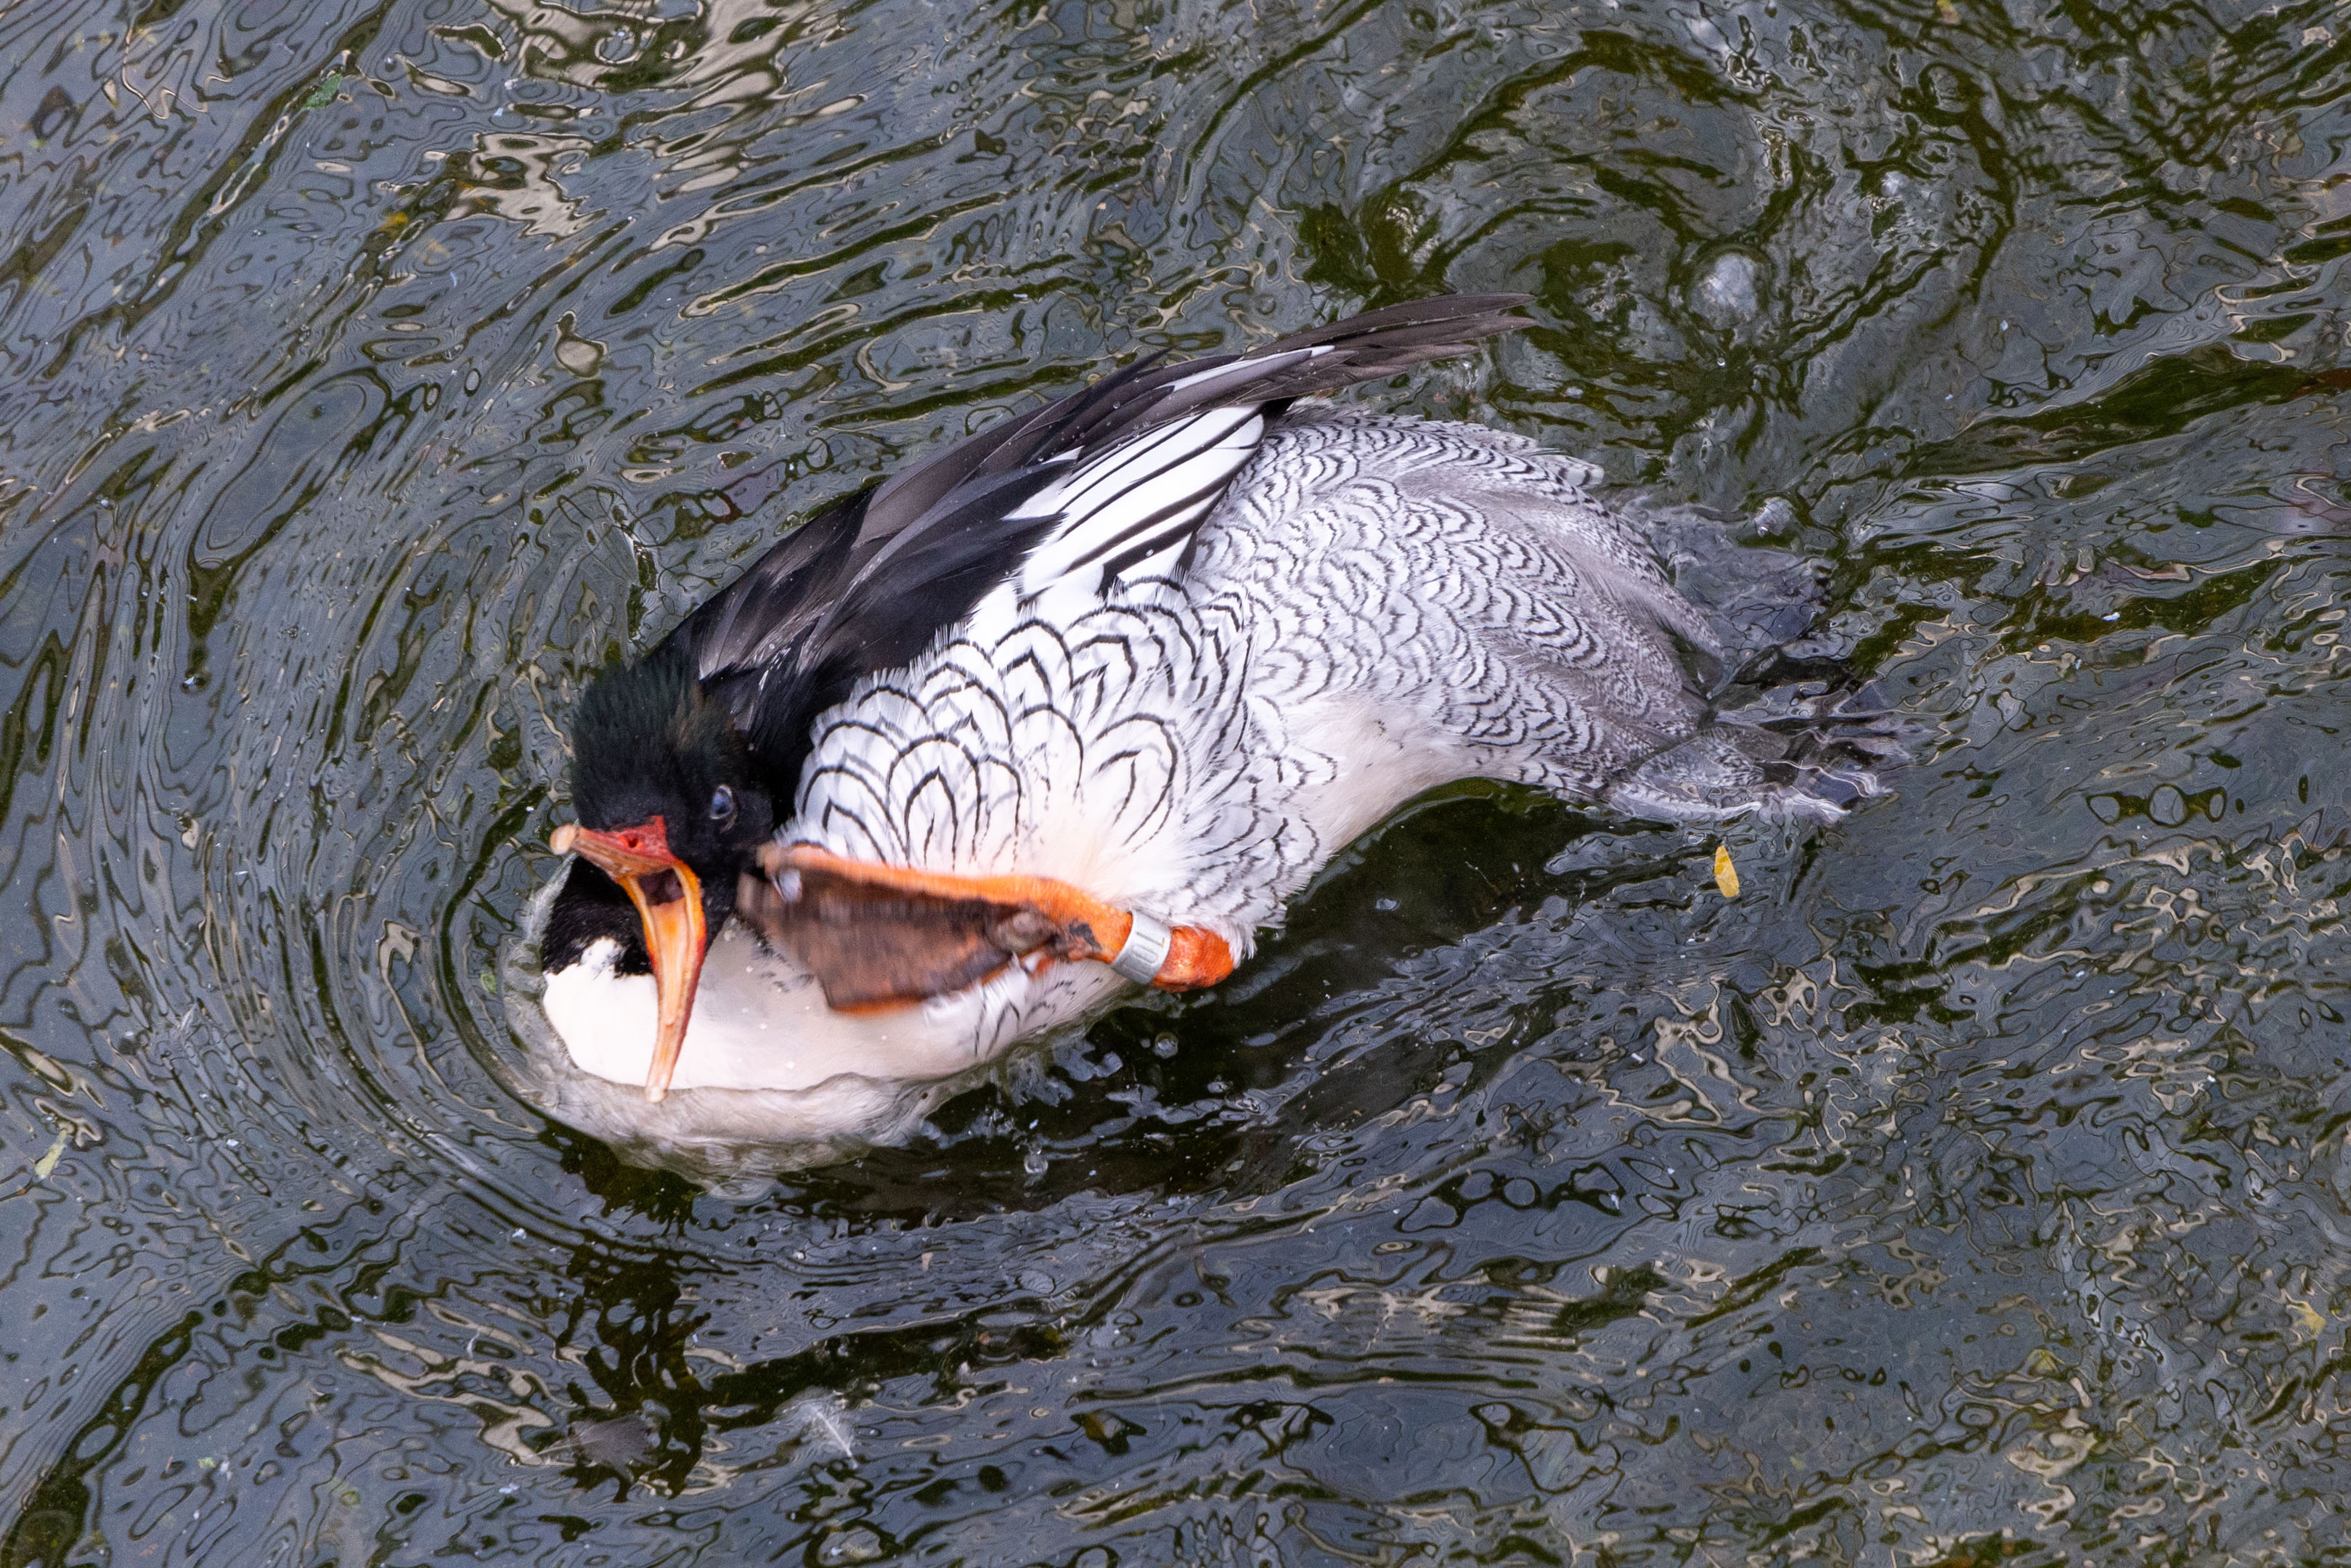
{"x": 1973, "y": 1190}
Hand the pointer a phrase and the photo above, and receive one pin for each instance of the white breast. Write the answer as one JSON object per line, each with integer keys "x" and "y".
{"x": 769, "y": 1077}
{"x": 760, "y": 1022}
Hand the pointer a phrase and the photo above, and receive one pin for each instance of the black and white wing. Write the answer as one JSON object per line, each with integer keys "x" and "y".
{"x": 1130, "y": 513}
{"x": 1106, "y": 485}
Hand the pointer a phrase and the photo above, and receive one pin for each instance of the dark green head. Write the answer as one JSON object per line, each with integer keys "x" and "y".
{"x": 647, "y": 744}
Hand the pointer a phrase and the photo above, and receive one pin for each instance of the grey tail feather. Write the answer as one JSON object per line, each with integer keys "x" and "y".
{"x": 1802, "y": 751}
{"x": 1790, "y": 737}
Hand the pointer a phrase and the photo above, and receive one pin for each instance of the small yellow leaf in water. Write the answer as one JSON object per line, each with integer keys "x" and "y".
{"x": 1947, "y": 13}
{"x": 1725, "y": 875}
{"x": 48, "y": 1161}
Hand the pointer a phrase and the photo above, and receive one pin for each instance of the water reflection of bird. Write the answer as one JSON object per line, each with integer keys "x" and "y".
{"x": 1080, "y": 702}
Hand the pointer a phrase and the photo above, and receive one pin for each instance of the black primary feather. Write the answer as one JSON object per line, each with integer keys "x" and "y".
{"x": 731, "y": 695}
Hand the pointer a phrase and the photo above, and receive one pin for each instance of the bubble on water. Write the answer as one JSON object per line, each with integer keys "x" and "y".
{"x": 1728, "y": 290}
{"x": 855, "y": 1545}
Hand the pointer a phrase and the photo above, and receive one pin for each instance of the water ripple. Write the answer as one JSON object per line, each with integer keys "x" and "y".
{"x": 1970, "y": 1188}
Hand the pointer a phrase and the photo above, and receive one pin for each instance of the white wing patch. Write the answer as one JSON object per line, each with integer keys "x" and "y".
{"x": 1129, "y": 515}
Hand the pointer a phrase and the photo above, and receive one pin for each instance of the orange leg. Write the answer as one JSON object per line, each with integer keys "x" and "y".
{"x": 1193, "y": 956}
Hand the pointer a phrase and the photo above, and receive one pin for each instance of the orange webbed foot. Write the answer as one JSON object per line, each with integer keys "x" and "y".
{"x": 877, "y": 936}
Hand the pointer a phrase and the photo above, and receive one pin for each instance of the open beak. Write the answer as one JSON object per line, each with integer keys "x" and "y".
{"x": 668, "y": 897}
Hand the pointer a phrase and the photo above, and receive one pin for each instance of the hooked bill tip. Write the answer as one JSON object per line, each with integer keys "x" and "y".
{"x": 561, "y": 840}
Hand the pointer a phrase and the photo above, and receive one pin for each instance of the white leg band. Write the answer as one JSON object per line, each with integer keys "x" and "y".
{"x": 1146, "y": 948}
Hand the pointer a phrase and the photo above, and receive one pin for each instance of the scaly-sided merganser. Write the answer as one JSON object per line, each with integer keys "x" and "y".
{"x": 1077, "y": 703}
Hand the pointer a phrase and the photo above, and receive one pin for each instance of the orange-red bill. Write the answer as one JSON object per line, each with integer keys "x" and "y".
{"x": 668, "y": 897}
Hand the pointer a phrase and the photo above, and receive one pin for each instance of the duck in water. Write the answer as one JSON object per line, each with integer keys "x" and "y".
{"x": 1077, "y": 703}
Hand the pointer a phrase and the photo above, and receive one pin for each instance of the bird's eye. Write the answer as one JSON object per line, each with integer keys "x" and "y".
{"x": 722, "y": 805}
